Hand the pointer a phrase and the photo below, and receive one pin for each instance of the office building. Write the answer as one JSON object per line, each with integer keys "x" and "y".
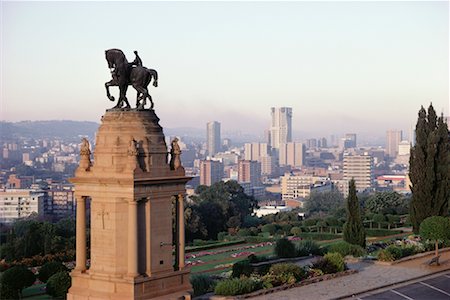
{"x": 300, "y": 186}
{"x": 292, "y": 154}
{"x": 213, "y": 143}
{"x": 254, "y": 151}
{"x": 281, "y": 126}
{"x": 361, "y": 169}
{"x": 249, "y": 171}
{"x": 393, "y": 139}
{"x": 210, "y": 172}
{"x": 20, "y": 203}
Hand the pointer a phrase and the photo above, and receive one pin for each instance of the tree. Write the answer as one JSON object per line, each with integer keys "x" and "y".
{"x": 437, "y": 229}
{"x": 217, "y": 208}
{"x": 429, "y": 168}
{"x": 285, "y": 248}
{"x": 58, "y": 284}
{"x": 385, "y": 203}
{"x": 50, "y": 268}
{"x": 353, "y": 230}
{"x": 14, "y": 280}
{"x": 324, "y": 202}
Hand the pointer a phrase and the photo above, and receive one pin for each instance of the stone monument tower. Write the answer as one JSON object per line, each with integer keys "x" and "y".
{"x": 133, "y": 193}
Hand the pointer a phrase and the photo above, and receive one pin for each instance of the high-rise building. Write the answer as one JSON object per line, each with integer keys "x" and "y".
{"x": 281, "y": 126}
{"x": 254, "y": 151}
{"x": 311, "y": 143}
{"x": 393, "y": 138}
{"x": 213, "y": 137}
{"x": 292, "y": 154}
{"x": 211, "y": 171}
{"x": 249, "y": 171}
{"x": 361, "y": 169}
{"x": 352, "y": 138}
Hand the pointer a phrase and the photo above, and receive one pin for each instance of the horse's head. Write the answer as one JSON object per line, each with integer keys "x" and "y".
{"x": 109, "y": 58}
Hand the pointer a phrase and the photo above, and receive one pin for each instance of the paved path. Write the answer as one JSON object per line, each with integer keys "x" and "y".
{"x": 370, "y": 276}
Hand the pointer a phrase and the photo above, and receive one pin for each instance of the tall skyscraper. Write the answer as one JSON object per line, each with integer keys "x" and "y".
{"x": 393, "y": 138}
{"x": 213, "y": 137}
{"x": 360, "y": 168}
{"x": 281, "y": 126}
{"x": 352, "y": 138}
{"x": 211, "y": 171}
{"x": 292, "y": 154}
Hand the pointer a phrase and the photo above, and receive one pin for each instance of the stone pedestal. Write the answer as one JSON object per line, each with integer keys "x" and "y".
{"x": 132, "y": 190}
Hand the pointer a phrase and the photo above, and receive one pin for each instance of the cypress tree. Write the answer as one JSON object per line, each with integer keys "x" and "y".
{"x": 429, "y": 168}
{"x": 353, "y": 230}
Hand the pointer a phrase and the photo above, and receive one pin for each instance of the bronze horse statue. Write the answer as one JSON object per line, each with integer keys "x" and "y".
{"x": 125, "y": 74}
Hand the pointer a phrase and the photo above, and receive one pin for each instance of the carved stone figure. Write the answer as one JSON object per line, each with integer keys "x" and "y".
{"x": 85, "y": 155}
{"x": 132, "y": 149}
{"x": 124, "y": 74}
{"x": 175, "y": 153}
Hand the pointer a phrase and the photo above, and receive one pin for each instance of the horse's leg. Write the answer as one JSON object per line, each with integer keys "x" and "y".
{"x": 124, "y": 96}
{"x": 144, "y": 93}
{"x": 107, "y": 85}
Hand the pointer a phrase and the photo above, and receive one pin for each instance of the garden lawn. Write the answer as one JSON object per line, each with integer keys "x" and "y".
{"x": 211, "y": 261}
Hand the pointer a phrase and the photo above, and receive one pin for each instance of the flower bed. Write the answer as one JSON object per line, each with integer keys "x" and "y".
{"x": 246, "y": 280}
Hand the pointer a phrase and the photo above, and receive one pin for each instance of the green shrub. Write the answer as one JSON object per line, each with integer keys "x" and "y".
{"x": 286, "y": 268}
{"x": 308, "y": 247}
{"x": 14, "y": 280}
{"x": 336, "y": 259}
{"x": 270, "y": 228}
{"x": 285, "y": 248}
{"x": 202, "y": 284}
{"x": 283, "y": 273}
{"x": 385, "y": 255}
{"x": 236, "y": 286}
{"x": 319, "y": 236}
{"x": 58, "y": 284}
{"x": 221, "y": 235}
{"x": 257, "y": 239}
{"x": 330, "y": 263}
{"x": 264, "y": 234}
{"x": 344, "y": 248}
{"x": 296, "y": 231}
{"x": 381, "y": 232}
{"x": 244, "y": 232}
{"x": 395, "y": 251}
{"x": 242, "y": 267}
{"x": 252, "y": 258}
{"x": 49, "y": 269}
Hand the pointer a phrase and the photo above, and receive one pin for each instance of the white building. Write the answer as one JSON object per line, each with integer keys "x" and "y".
{"x": 20, "y": 203}
{"x": 294, "y": 186}
{"x": 271, "y": 210}
{"x": 281, "y": 126}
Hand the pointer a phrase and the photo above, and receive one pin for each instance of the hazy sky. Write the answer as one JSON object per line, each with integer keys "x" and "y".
{"x": 361, "y": 67}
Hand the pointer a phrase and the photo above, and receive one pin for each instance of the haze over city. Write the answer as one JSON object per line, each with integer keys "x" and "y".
{"x": 362, "y": 67}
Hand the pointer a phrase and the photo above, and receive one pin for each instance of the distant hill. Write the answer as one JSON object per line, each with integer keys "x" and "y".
{"x": 67, "y": 130}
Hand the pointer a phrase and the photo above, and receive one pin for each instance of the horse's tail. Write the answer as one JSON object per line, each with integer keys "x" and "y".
{"x": 155, "y": 76}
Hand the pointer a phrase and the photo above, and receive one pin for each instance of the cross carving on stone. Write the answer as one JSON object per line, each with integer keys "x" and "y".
{"x": 103, "y": 214}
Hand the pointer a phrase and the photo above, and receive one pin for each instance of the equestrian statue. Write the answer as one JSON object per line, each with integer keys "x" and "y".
{"x": 125, "y": 74}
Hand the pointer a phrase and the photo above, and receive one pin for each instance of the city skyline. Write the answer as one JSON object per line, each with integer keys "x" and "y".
{"x": 341, "y": 66}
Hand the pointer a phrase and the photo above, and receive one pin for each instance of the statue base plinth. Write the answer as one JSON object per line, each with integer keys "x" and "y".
{"x": 172, "y": 286}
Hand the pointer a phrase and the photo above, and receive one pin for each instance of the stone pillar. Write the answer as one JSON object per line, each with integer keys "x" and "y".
{"x": 181, "y": 231}
{"x": 132, "y": 239}
{"x": 148, "y": 244}
{"x": 81, "y": 234}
